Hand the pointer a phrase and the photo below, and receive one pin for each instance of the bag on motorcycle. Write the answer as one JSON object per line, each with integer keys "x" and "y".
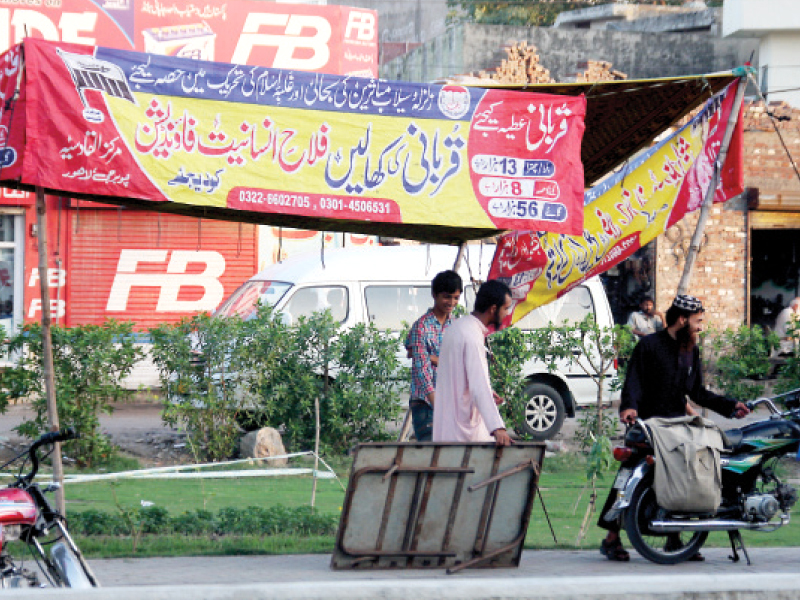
{"x": 688, "y": 475}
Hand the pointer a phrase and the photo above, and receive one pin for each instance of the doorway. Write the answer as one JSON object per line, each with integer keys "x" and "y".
{"x": 774, "y": 272}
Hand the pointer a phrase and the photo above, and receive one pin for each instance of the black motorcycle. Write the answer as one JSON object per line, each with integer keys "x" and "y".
{"x": 753, "y": 496}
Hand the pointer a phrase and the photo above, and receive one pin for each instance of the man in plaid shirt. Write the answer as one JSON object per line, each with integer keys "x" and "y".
{"x": 423, "y": 343}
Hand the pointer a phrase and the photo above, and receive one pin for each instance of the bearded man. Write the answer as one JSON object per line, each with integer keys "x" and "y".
{"x": 663, "y": 374}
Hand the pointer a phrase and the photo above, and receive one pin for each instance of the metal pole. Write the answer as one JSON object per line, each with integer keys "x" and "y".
{"x": 694, "y": 248}
{"x": 47, "y": 348}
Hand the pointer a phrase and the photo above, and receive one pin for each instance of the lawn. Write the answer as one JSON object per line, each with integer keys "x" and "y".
{"x": 562, "y": 487}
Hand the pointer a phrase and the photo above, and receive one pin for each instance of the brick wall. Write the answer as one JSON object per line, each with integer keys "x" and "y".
{"x": 721, "y": 270}
{"x": 719, "y": 277}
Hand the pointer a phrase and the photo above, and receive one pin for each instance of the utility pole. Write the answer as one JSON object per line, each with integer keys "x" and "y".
{"x": 47, "y": 348}
{"x": 708, "y": 201}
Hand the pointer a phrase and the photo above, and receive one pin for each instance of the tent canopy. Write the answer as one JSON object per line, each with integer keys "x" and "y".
{"x": 623, "y": 117}
{"x": 144, "y": 131}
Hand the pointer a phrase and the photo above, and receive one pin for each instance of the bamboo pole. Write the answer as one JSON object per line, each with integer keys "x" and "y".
{"x": 694, "y": 248}
{"x": 47, "y": 348}
{"x": 318, "y": 424}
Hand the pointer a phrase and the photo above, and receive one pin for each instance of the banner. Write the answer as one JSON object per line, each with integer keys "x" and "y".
{"x": 327, "y": 39}
{"x": 625, "y": 211}
{"x": 253, "y": 142}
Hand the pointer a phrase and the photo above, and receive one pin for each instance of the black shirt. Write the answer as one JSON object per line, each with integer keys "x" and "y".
{"x": 660, "y": 377}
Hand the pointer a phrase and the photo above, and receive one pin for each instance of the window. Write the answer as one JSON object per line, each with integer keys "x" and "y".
{"x": 244, "y": 301}
{"x": 389, "y": 306}
{"x": 307, "y": 301}
{"x": 572, "y": 307}
{"x": 11, "y": 273}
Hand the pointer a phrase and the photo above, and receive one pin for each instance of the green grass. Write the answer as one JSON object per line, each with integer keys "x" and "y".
{"x": 179, "y": 496}
{"x": 563, "y": 487}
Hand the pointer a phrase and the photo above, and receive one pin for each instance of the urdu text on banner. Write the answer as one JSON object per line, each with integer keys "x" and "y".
{"x": 126, "y": 125}
{"x": 625, "y": 211}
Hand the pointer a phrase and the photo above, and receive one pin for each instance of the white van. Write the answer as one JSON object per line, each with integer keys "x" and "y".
{"x": 390, "y": 286}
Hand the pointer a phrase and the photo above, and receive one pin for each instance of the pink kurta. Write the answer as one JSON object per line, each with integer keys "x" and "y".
{"x": 465, "y": 410}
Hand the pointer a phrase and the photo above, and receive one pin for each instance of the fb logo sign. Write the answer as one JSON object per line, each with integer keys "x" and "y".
{"x": 170, "y": 283}
{"x": 287, "y": 38}
{"x": 363, "y": 23}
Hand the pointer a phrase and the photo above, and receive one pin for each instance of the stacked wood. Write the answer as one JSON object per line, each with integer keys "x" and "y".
{"x": 758, "y": 117}
{"x": 598, "y": 70}
{"x": 521, "y": 66}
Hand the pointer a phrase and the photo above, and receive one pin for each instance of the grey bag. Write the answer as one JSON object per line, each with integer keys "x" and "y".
{"x": 688, "y": 475}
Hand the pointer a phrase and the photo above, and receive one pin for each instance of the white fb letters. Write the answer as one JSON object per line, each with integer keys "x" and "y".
{"x": 58, "y": 308}
{"x": 363, "y": 23}
{"x": 287, "y": 40}
{"x": 170, "y": 282}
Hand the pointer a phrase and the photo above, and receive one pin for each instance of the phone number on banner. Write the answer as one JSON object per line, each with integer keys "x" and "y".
{"x": 338, "y": 207}
{"x": 533, "y": 210}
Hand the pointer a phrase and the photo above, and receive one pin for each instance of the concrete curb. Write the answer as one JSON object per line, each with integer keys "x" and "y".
{"x": 659, "y": 587}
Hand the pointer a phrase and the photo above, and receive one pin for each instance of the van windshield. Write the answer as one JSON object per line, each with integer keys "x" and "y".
{"x": 244, "y": 301}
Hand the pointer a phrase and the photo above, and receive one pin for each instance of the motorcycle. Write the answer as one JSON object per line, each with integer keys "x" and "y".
{"x": 27, "y": 516}
{"x": 752, "y": 492}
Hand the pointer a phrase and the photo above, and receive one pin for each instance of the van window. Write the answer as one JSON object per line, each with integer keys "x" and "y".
{"x": 572, "y": 307}
{"x": 308, "y": 300}
{"x": 388, "y": 306}
{"x": 244, "y": 301}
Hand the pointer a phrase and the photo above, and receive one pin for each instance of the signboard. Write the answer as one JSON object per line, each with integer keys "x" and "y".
{"x": 326, "y": 39}
{"x": 626, "y": 211}
{"x": 130, "y": 265}
{"x": 256, "y": 142}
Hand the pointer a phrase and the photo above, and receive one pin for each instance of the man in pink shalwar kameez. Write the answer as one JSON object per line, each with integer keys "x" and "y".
{"x": 466, "y": 406}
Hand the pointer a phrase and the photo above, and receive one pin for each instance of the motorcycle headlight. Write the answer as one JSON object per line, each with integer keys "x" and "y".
{"x": 11, "y": 533}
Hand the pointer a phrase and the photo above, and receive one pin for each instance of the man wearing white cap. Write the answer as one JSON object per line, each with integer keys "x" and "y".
{"x": 663, "y": 372}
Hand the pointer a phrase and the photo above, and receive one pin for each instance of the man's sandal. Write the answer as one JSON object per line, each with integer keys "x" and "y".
{"x": 614, "y": 551}
{"x": 696, "y": 558}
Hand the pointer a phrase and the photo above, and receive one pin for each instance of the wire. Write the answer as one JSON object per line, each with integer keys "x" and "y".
{"x": 794, "y": 89}
{"x": 775, "y": 126}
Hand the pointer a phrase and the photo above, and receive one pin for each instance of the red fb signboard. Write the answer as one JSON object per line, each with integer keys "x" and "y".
{"x": 327, "y": 39}
{"x": 176, "y": 266}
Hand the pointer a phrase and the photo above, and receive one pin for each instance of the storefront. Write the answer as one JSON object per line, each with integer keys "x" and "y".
{"x": 774, "y": 248}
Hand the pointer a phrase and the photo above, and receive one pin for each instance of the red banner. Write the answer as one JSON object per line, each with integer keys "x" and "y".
{"x": 326, "y": 39}
{"x": 626, "y": 210}
{"x": 214, "y": 139}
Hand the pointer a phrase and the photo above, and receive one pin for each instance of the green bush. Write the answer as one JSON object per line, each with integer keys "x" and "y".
{"x": 201, "y": 361}
{"x": 510, "y": 349}
{"x": 154, "y": 520}
{"x": 737, "y": 360}
{"x": 89, "y": 363}
{"x": 220, "y": 371}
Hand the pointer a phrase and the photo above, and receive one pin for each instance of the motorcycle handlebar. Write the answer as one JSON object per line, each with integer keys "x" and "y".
{"x": 56, "y": 436}
{"x": 47, "y": 439}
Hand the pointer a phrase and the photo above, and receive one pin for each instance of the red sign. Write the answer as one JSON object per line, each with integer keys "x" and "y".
{"x": 327, "y": 39}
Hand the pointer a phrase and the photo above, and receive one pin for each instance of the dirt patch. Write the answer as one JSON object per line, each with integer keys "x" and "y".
{"x": 135, "y": 428}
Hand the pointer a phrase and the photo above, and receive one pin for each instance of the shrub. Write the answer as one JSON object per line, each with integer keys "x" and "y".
{"x": 217, "y": 371}
{"x": 89, "y": 362}
{"x": 253, "y": 520}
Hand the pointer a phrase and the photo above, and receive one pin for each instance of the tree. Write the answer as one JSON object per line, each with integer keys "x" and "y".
{"x": 532, "y": 13}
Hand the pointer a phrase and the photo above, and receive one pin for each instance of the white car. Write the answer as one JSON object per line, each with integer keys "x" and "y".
{"x": 390, "y": 286}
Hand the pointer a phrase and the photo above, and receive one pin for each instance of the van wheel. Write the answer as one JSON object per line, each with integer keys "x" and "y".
{"x": 544, "y": 412}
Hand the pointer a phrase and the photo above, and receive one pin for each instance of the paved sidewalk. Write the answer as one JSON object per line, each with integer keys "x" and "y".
{"x": 314, "y": 568}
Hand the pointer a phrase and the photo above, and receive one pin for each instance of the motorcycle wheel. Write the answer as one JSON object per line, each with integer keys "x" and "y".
{"x": 661, "y": 548}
